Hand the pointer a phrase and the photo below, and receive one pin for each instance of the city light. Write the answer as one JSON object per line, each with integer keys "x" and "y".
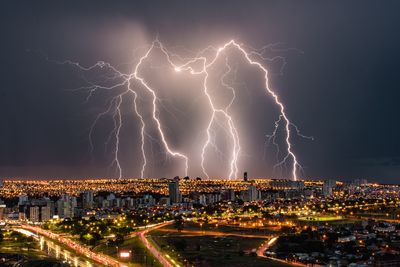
{"x": 125, "y": 254}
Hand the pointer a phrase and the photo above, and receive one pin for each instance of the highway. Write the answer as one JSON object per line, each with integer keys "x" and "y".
{"x": 99, "y": 257}
{"x": 164, "y": 260}
{"x": 59, "y": 252}
{"x": 80, "y": 249}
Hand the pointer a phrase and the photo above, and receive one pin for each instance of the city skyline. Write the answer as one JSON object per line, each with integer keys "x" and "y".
{"x": 330, "y": 78}
{"x": 192, "y": 222}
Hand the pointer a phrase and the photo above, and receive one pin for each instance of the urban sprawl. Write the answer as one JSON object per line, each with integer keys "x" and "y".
{"x": 196, "y": 222}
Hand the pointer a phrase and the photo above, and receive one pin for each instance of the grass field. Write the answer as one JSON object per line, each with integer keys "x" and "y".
{"x": 141, "y": 256}
{"x": 202, "y": 251}
{"x": 271, "y": 230}
{"x": 321, "y": 218}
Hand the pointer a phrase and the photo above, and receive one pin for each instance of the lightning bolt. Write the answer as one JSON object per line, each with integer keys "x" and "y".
{"x": 154, "y": 113}
{"x": 142, "y": 132}
{"x": 118, "y": 125}
{"x": 232, "y": 128}
{"x": 132, "y": 81}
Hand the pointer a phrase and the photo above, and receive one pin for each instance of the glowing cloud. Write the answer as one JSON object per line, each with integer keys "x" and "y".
{"x": 199, "y": 66}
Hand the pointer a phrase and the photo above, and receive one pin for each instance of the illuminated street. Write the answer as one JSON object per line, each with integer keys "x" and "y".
{"x": 100, "y": 258}
{"x": 163, "y": 259}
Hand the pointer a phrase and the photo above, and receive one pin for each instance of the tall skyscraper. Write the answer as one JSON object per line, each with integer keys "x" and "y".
{"x": 87, "y": 199}
{"x": 46, "y": 213}
{"x": 34, "y": 213}
{"x": 36, "y": 210}
{"x": 254, "y": 193}
{"x": 174, "y": 193}
{"x": 22, "y": 199}
{"x": 327, "y": 188}
{"x": 66, "y": 206}
{"x": 2, "y": 209}
{"x": 245, "y": 176}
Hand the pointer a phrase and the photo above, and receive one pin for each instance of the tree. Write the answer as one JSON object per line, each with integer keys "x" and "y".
{"x": 179, "y": 223}
{"x": 87, "y": 238}
{"x": 96, "y": 238}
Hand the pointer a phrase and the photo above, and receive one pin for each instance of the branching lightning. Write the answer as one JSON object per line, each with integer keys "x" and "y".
{"x": 155, "y": 117}
{"x": 128, "y": 84}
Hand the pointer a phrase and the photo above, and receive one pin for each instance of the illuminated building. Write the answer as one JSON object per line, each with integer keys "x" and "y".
{"x": 87, "y": 199}
{"x": 66, "y": 206}
{"x": 359, "y": 182}
{"x": 36, "y": 210}
{"x": 34, "y": 214}
{"x": 327, "y": 188}
{"x": 147, "y": 200}
{"x": 164, "y": 201}
{"x": 22, "y": 199}
{"x": 206, "y": 199}
{"x": 174, "y": 193}
{"x": 254, "y": 193}
{"x": 2, "y": 208}
{"x": 282, "y": 184}
{"x": 46, "y": 213}
{"x": 228, "y": 194}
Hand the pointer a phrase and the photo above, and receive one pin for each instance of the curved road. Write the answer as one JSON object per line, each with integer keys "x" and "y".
{"x": 212, "y": 233}
{"x": 156, "y": 253}
{"x": 264, "y": 247}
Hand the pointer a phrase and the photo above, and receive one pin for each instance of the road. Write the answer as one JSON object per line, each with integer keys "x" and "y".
{"x": 57, "y": 251}
{"x": 164, "y": 260}
{"x": 261, "y": 250}
{"x": 101, "y": 258}
{"x": 261, "y": 253}
{"x": 212, "y": 233}
{"x": 83, "y": 250}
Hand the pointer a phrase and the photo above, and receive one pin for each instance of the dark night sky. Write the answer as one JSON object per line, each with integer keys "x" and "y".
{"x": 343, "y": 90}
